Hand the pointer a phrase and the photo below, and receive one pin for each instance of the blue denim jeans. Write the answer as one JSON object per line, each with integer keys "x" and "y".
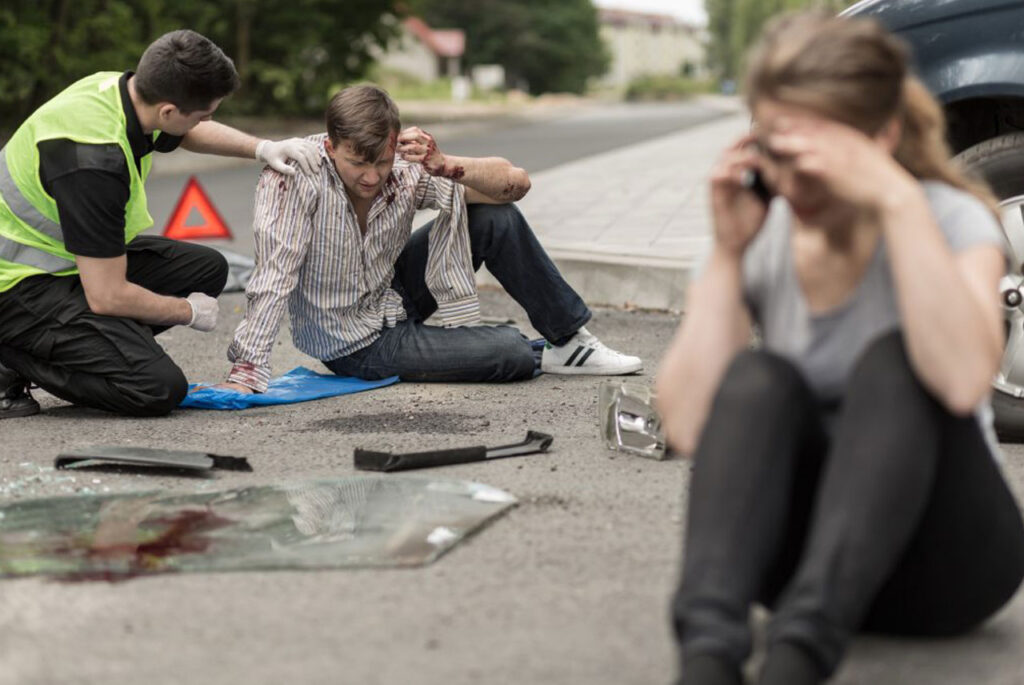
{"x": 501, "y": 238}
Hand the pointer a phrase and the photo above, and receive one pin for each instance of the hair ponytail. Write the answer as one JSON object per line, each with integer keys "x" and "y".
{"x": 923, "y": 150}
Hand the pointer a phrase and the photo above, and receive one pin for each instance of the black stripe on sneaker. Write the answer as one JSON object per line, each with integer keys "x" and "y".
{"x": 573, "y": 357}
{"x": 585, "y": 357}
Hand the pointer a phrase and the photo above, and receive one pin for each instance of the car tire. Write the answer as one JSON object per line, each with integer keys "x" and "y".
{"x": 1009, "y": 413}
{"x": 1000, "y": 161}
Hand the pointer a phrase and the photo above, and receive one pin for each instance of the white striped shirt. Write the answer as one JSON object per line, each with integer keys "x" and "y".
{"x": 311, "y": 255}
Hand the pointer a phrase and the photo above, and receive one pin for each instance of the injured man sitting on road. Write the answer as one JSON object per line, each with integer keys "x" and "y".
{"x": 337, "y": 247}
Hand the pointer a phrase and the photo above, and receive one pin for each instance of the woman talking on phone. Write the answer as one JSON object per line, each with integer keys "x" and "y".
{"x": 845, "y": 473}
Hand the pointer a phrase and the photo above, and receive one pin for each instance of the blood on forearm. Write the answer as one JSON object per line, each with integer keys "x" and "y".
{"x": 494, "y": 177}
{"x": 447, "y": 168}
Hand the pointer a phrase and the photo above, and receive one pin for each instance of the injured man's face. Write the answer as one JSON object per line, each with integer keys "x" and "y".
{"x": 363, "y": 178}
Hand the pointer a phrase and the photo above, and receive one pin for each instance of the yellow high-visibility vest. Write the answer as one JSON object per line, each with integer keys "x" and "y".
{"x": 31, "y": 242}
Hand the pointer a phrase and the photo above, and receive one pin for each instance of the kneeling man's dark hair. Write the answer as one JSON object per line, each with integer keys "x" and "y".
{"x": 366, "y": 117}
{"x": 185, "y": 69}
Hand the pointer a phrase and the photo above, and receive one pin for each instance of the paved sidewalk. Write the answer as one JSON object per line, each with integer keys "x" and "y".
{"x": 626, "y": 226}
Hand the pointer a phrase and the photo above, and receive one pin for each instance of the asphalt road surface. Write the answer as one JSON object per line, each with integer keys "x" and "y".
{"x": 572, "y": 587}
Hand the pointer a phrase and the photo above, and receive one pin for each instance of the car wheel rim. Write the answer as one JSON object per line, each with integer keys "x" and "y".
{"x": 1010, "y": 378}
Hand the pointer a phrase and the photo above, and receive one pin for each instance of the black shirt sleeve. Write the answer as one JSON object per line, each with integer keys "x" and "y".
{"x": 91, "y": 206}
{"x": 90, "y": 184}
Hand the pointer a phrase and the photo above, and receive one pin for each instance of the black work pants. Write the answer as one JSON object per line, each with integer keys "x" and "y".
{"x": 900, "y": 523}
{"x": 49, "y": 335}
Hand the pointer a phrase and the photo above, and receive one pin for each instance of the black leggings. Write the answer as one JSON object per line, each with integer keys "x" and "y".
{"x": 901, "y": 523}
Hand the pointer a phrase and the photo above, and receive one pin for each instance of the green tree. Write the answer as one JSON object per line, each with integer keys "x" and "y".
{"x": 551, "y": 45}
{"x": 735, "y": 24}
{"x": 720, "y": 54}
{"x": 44, "y": 45}
{"x": 290, "y": 55}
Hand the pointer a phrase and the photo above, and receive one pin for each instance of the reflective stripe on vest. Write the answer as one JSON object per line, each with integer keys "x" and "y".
{"x": 21, "y": 207}
{"x": 20, "y": 253}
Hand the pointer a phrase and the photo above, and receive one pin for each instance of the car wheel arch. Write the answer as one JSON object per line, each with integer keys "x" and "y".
{"x": 974, "y": 120}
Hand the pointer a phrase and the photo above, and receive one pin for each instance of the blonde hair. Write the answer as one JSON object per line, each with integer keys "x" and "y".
{"x": 855, "y": 72}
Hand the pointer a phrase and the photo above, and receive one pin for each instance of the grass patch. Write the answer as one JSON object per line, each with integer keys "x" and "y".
{"x": 404, "y": 87}
{"x": 662, "y": 88}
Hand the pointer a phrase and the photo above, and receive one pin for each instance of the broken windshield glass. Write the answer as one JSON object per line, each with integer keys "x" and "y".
{"x": 350, "y": 522}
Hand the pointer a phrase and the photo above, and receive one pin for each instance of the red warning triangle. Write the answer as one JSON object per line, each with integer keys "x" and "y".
{"x": 195, "y": 217}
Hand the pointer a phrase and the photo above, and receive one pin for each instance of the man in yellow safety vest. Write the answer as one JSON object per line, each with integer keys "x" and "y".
{"x": 82, "y": 294}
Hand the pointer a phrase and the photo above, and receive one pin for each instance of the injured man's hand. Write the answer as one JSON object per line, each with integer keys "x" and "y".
{"x": 237, "y": 387}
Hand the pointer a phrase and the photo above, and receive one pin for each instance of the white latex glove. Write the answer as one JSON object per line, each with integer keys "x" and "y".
{"x": 277, "y": 154}
{"x": 204, "y": 312}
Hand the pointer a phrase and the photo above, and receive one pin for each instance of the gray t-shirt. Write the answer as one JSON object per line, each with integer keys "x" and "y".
{"x": 826, "y": 346}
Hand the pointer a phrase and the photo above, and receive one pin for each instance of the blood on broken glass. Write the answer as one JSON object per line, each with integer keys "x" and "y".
{"x": 360, "y": 521}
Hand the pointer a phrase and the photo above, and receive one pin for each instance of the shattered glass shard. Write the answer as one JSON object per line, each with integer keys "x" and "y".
{"x": 629, "y": 422}
{"x": 351, "y": 522}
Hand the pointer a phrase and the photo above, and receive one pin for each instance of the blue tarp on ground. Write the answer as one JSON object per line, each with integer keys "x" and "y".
{"x": 298, "y": 385}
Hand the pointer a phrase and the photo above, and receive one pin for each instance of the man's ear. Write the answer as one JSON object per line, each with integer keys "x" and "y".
{"x": 329, "y": 147}
{"x": 165, "y": 111}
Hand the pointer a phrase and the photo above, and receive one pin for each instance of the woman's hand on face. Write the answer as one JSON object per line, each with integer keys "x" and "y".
{"x": 737, "y": 211}
{"x": 854, "y": 167}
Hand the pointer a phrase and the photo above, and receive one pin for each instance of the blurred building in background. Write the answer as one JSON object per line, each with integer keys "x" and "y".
{"x": 644, "y": 44}
{"x": 429, "y": 55}
{"x": 425, "y": 53}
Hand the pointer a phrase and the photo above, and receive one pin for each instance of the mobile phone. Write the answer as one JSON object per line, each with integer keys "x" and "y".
{"x": 754, "y": 182}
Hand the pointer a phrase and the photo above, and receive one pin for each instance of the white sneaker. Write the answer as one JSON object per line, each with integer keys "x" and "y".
{"x": 585, "y": 354}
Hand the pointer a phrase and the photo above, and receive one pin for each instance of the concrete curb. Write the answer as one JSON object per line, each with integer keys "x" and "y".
{"x": 608, "y": 284}
{"x": 610, "y": 280}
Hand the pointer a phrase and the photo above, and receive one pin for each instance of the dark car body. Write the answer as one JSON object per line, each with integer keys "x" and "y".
{"x": 970, "y": 54}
